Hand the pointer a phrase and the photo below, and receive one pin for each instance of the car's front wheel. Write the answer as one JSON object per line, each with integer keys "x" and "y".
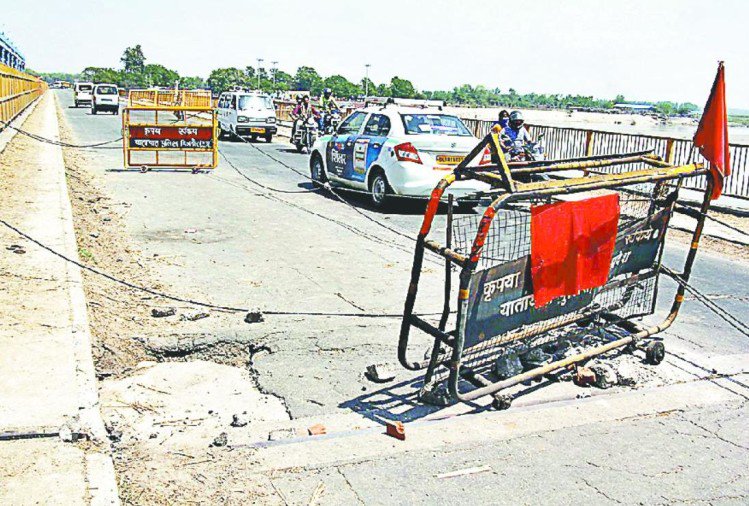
{"x": 317, "y": 171}
{"x": 380, "y": 190}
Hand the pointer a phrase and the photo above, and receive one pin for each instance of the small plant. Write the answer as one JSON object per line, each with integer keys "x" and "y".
{"x": 84, "y": 253}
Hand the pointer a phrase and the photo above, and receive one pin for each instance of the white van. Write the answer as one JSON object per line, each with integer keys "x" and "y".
{"x": 246, "y": 114}
{"x": 83, "y": 93}
{"x": 106, "y": 97}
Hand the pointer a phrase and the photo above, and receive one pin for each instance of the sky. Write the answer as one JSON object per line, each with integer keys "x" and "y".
{"x": 646, "y": 50}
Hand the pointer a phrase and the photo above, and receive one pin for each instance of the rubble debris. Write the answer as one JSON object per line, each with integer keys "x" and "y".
{"x": 376, "y": 374}
{"x": 279, "y": 434}
{"x": 396, "y": 430}
{"x": 66, "y": 433}
{"x": 254, "y": 317}
{"x": 435, "y": 394}
{"x": 114, "y": 434}
{"x": 193, "y": 316}
{"x": 240, "y": 420}
{"x": 507, "y": 365}
{"x": 605, "y": 376}
{"x": 220, "y": 440}
{"x": 584, "y": 376}
{"x": 163, "y": 312}
{"x": 16, "y": 248}
{"x": 626, "y": 374}
{"x": 191, "y": 230}
{"x": 317, "y": 430}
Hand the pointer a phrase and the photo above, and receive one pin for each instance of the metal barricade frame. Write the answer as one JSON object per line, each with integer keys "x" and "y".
{"x": 168, "y": 122}
{"x": 509, "y": 190}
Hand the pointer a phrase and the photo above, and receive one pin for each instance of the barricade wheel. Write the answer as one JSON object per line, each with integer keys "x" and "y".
{"x": 655, "y": 352}
{"x": 144, "y": 169}
{"x": 501, "y": 402}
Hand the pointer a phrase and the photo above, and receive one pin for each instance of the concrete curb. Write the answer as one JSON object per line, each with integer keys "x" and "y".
{"x": 100, "y": 474}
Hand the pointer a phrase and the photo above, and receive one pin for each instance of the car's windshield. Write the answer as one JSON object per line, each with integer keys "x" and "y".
{"x": 254, "y": 102}
{"x": 439, "y": 124}
{"x": 106, "y": 90}
{"x": 84, "y": 87}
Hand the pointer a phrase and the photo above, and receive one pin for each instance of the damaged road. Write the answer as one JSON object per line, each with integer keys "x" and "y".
{"x": 175, "y": 385}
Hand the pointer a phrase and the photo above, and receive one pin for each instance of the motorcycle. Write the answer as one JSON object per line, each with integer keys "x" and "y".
{"x": 521, "y": 151}
{"x": 305, "y": 133}
{"x": 330, "y": 121}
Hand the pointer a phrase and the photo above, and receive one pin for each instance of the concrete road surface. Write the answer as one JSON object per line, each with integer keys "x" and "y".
{"x": 255, "y": 234}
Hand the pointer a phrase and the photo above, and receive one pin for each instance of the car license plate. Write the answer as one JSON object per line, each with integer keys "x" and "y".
{"x": 449, "y": 159}
{"x": 257, "y": 130}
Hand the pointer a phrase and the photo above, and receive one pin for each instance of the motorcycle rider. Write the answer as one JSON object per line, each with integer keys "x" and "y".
{"x": 328, "y": 105}
{"x": 301, "y": 112}
{"x": 515, "y": 132}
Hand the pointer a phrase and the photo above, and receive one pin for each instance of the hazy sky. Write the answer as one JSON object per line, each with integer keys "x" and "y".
{"x": 648, "y": 50}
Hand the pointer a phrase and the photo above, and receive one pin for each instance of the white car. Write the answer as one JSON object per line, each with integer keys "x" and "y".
{"x": 106, "y": 97}
{"x": 396, "y": 150}
{"x": 246, "y": 114}
{"x": 83, "y": 93}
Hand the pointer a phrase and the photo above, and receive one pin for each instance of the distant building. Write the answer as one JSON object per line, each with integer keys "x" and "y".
{"x": 10, "y": 55}
{"x": 635, "y": 107}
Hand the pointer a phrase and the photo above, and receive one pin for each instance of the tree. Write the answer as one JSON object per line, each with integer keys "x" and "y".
{"x": 102, "y": 75}
{"x": 341, "y": 87}
{"x": 308, "y": 79}
{"x": 401, "y": 88}
{"x": 158, "y": 75}
{"x": 224, "y": 78}
{"x": 368, "y": 86}
{"x": 133, "y": 60}
{"x": 192, "y": 83}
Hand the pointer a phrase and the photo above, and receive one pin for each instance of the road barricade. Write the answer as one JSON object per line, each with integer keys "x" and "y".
{"x": 175, "y": 129}
{"x": 518, "y": 316}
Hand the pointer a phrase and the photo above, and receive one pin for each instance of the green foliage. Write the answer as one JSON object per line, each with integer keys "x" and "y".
{"x": 192, "y": 83}
{"x": 102, "y": 75}
{"x": 307, "y": 78}
{"x": 133, "y": 60}
{"x": 342, "y": 87}
{"x": 401, "y": 88}
{"x": 224, "y": 78}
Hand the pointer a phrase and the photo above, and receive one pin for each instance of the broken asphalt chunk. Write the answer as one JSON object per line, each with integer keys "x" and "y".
{"x": 254, "y": 317}
{"x": 220, "y": 440}
{"x": 161, "y": 312}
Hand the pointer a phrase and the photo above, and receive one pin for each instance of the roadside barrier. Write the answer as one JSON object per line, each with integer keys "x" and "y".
{"x": 521, "y": 309}
{"x": 174, "y": 129}
{"x": 17, "y": 91}
{"x": 567, "y": 142}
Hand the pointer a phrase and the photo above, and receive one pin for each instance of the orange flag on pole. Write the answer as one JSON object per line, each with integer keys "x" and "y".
{"x": 711, "y": 137}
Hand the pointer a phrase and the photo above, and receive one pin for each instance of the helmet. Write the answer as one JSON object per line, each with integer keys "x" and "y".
{"x": 298, "y": 99}
{"x": 327, "y": 92}
{"x": 516, "y": 118}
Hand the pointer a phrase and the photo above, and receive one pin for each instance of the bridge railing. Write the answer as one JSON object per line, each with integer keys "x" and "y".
{"x": 566, "y": 142}
{"x": 17, "y": 91}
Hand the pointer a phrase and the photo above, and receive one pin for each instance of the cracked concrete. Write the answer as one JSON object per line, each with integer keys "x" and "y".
{"x": 283, "y": 254}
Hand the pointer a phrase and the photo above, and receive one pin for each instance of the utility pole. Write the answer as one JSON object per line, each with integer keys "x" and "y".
{"x": 259, "y": 62}
{"x": 366, "y": 81}
{"x": 273, "y": 69}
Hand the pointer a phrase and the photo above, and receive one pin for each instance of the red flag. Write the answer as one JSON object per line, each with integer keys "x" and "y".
{"x": 711, "y": 137}
{"x": 572, "y": 243}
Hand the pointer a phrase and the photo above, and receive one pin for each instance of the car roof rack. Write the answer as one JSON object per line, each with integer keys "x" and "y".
{"x": 404, "y": 102}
